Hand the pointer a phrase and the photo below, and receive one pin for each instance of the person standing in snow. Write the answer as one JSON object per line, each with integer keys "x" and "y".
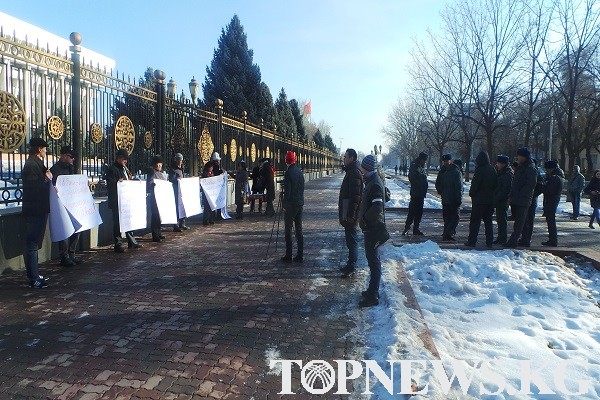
{"x": 348, "y": 207}
{"x": 529, "y": 221}
{"x": 449, "y": 184}
{"x": 593, "y": 190}
{"x": 505, "y": 178}
{"x": 575, "y": 187}
{"x": 521, "y": 193}
{"x": 483, "y": 186}
{"x": 372, "y": 223}
{"x": 552, "y": 191}
{"x": 417, "y": 175}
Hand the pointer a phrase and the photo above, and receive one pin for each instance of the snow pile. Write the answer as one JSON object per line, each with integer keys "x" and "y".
{"x": 401, "y": 196}
{"x": 567, "y": 208}
{"x": 504, "y": 306}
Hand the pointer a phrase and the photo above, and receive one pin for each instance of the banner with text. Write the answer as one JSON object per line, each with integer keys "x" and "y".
{"x": 132, "y": 205}
{"x": 74, "y": 193}
{"x": 215, "y": 190}
{"x": 62, "y": 224}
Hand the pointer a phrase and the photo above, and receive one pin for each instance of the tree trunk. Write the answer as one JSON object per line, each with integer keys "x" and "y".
{"x": 468, "y": 162}
{"x": 590, "y": 163}
{"x": 563, "y": 158}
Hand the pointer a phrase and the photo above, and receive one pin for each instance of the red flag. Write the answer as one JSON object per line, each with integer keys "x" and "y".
{"x": 307, "y": 108}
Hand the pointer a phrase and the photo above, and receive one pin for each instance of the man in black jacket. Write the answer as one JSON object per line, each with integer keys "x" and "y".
{"x": 552, "y": 191}
{"x": 175, "y": 175}
{"x": 154, "y": 173}
{"x": 67, "y": 247}
{"x": 371, "y": 221}
{"x": 418, "y": 190}
{"x": 449, "y": 185}
{"x": 521, "y": 193}
{"x": 116, "y": 173}
{"x": 267, "y": 177}
{"x": 348, "y": 207}
{"x": 505, "y": 178}
{"x": 527, "y": 233}
{"x": 36, "y": 207}
{"x": 293, "y": 203}
{"x": 482, "y": 191}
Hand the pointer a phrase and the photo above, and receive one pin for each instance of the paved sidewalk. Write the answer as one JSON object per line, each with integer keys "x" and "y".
{"x": 196, "y": 316}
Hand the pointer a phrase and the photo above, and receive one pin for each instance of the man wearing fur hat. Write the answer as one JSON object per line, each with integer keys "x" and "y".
{"x": 116, "y": 173}
{"x": 36, "y": 207}
{"x": 552, "y": 191}
{"x": 449, "y": 184}
{"x": 521, "y": 193}
{"x": 505, "y": 178}
{"x": 293, "y": 203}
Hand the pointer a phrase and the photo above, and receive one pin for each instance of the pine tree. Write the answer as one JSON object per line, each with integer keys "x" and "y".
{"x": 266, "y": 109}
{"x": 318, "y": 138}
{"x": 298, "y": 119}
{"x": 232, "y": 76}
{"x": 286, "y": 125}
{"x": 328, "y": 143}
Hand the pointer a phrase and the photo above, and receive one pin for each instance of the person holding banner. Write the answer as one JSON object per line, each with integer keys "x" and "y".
{"x": 67, "y": 247}
{"x": 293, "y": 203}
{"x": 175, "y": 174}
{"x": 154, "y": 172}
{"x": 208, "y": 217}
{"x": 116, "y": 173}
{"x": 241, "y": 184}
{"x": 36, "y": 207}
{"x": 216, "y": 170}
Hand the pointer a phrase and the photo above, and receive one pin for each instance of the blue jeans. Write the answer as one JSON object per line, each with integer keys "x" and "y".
{"x": 576, "y": 200}
{"x": 35, "y": 230}
{"x": 595, "y": 216}
{"x": 351, "y": 234}
{"x": 372, "y": 254}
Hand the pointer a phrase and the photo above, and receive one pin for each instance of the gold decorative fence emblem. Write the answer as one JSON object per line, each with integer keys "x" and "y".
{"x": 12, "y": 122}
{"x": 224, "y": 149}
{"x": 253, "y": 152}
{"x": 233, "y": 149}
{"x": 241, "y": 152}
{"x": 55, "y": 127}
{"x": 267, "y": 152}
{"x": 148, "y": 138}
{"x": 205, "y": 145}
{"x": 96, "y": 133}
{"x": 178, "y": 142}
{"x": 124, "y": 134}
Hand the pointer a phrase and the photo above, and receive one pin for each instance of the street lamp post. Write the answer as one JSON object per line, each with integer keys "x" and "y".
{"x": 194, "y": 89}
{"x": 171, "y": 88}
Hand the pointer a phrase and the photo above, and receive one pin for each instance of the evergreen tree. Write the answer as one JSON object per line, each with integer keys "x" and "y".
{"x": 286, "y": 125}
{"x": 328, "y": 143}
{"x": 318, "y": 138}
{"x": 232, "y": 76}
{"x": 266, "y": 109}
{"x": 298, "y": 119}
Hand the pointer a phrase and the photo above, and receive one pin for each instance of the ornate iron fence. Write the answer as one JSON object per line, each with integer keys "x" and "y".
{"x": 66, "y": 102}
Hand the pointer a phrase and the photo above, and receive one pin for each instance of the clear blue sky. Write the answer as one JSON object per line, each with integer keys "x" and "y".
{"x": 348, "y": 57}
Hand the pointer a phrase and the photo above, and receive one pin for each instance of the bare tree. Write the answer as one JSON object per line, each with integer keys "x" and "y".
{"x": 570, "y": 71}
{"x": 403, "y": 129}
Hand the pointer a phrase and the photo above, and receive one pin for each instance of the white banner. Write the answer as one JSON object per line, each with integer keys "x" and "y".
{"x": 215, "y": 190}
{"x": 189, "y": 197}
{"x": 165, "y": 201}
{"x": 62, "y": 224}
{"x": 75, "y": 195}
{"x": 132, "y": 205}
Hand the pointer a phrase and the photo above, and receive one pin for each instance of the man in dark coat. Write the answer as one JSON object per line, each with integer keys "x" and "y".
{"x": 348, "y": 207}
{"x": 36, "y": 207}
{"x": 418, "y": 190}
{"x": 505, "y": 178}
{"x": 114, "y": 174}
{"x": 241, "y": 182}
{"x": 449, "y": 184}
{"x": 257, "y": 188}
{"x": 67, "y": 247}
{"x": 175, "y": 175}
{"x": 268, "y": 178}
{"x": 293, "y": 203}
{"x": 154, "y": 173}
{"x": 552, "y": 191}
{"x": 372, "y": 222}
{"x": 575, "y": 187}
{"x": 215, "y": 160}
{"x": 483, "y": 186}
{"x": 527, "y": 233}
{"x": 521, "y": 193}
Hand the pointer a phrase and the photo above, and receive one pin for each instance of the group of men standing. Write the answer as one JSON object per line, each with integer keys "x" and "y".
{"x": 492, "y": 190}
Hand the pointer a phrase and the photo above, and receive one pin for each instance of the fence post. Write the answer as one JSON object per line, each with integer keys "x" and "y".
{"x": 159, "y": 114}
{"x": 245, "y": 141}
{"x": 219, "y": 136}
{"x": 76, "y": 139}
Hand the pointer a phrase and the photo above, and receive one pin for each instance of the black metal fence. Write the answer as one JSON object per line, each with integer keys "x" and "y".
{"x": 66, "y": 102}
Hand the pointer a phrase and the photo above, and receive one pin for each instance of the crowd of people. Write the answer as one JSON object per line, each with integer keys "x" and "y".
{"x": 496, "y": 189}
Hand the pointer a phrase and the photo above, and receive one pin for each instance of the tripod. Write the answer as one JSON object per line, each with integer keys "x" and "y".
{"x": 278, "y": 220}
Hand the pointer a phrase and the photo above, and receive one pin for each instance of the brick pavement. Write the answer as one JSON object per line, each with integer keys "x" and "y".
{"x": 192, "y": 317}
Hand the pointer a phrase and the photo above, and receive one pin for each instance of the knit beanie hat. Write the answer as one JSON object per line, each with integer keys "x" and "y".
{"x": 369, "y": 163}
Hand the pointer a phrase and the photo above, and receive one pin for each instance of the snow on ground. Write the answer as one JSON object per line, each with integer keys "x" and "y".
{"x": 502, "y": 305}
{"x": 401, "y": 196}
{"x": 567, "y": 208}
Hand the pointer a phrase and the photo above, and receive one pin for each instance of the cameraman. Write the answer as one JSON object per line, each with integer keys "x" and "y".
{"x": 293, "y": 203}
